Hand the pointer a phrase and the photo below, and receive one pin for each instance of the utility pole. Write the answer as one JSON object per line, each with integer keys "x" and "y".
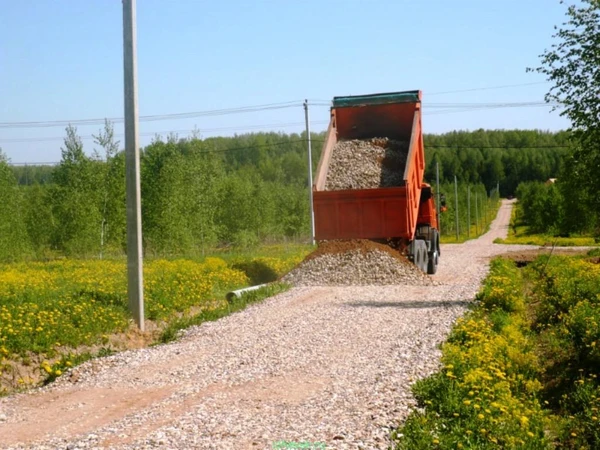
{"x": 484, "y": 205}
{"x": 456, "y": 206}
{"x": 437, "y": 190}
{"x": 310, "y": 177}
{"x": 135, "y": 283}
{"x": 468, "y": 211}
{"x": 476, "y": 216}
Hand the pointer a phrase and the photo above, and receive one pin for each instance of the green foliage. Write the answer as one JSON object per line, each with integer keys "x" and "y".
{"x": 14, "y": 242}
{"x": 53, "y": 310}
{"x": 258, "y": 271}
{"x": 491, "y": 157}
{"x": 473, "y": 223}
{"x": 502, "y": 289}
{"x": 565, "y": 303}
{"x": 521, "y": 369}
{"x": 560, "y": 208}
{"x": 39, "y": 219}
{"x": 76, "y": 199}
{"x": 521, "y": 234}
{"x": 576, "y": 197}
{"x": 28, "y": 175}
{"x": 571, "y": 64}
{"x": 242, "y": 191}
{"x": 540, "y": 207}
{"x": 486, "y": 396}
{"x": 177, "y": 286}
{"x": 110, "y": 173}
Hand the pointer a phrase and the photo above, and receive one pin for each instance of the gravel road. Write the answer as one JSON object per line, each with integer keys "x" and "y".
{"x": 330, "y": 365}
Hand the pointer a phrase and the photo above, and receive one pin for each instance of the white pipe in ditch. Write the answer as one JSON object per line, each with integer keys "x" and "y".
{"x": 238, "y": 294}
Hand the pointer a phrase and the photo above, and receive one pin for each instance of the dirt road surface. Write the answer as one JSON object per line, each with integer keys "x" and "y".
{"x": 328, "y": 366}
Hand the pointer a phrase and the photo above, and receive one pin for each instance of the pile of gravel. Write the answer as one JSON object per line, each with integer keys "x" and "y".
{"x": 354, "y": 263}
{"x": 366, "y": 164}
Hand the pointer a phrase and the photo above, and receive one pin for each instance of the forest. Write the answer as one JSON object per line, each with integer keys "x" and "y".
{"x": 239, "y": 191}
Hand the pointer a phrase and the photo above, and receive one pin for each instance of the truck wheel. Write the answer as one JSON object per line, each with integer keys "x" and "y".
{"x": 418, "y": 256}
{"x": 433, "y": 263}
{"x": 421, "y": 258}
{"x": 435, "y": 242}
{"x": 425, "y": 258}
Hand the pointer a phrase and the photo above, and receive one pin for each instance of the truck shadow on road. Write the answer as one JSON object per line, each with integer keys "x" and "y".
{"x": 411, "y": 304}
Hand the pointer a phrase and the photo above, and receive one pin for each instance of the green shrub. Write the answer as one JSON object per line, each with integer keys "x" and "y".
{"x": 487, "y": 395}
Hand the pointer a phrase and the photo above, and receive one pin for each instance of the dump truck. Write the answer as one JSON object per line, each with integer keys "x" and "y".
{"x": 404, "y": 215}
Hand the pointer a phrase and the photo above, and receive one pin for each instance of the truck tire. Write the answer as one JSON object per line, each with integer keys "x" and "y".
{"x": 433, "y": 263}
{"x": 417, "y": 255}
{"x": 435, "y": 244}
{"x": 420, "y": 255}
{"x": 425, "y": 257}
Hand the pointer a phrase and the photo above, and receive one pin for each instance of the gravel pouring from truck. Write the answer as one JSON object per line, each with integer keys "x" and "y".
{"x": 394, "y": 205}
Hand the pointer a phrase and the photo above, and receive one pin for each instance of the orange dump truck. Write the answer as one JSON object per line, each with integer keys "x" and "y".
{"x": 403, "y": 215}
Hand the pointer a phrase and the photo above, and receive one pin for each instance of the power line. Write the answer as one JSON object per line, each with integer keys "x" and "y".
{"x": 485, "y": 108}
{"x": 153, "y": 118}
{"x": 153, "y": 133}
{"x": 224, "y": 150}
{"x": 478, "y": 147}
{"x": 488, "y": 104}
{"x": 489, "y": 88}
{"x": 478, "y": 106}
{"x": 298, "y": 141}
{"x": 221, "y": 112}
{"x": 43, "y": 163}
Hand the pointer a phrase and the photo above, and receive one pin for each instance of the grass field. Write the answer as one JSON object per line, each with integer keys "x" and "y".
{"x": 520, "y": 235}
{"x": 55, "y": 314}
{"x": 521, "y": 369}
{"x": 449, "y": 236}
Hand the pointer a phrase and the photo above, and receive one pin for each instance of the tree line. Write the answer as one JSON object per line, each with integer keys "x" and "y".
{"x": 222, "y": 191}
{"x": 572, "y": 64}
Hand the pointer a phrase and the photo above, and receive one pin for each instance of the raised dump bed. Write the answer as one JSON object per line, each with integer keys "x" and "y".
{"x": 390, "y": 209}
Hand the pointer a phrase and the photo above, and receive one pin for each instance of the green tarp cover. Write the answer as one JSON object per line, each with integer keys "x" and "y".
{"x": 377, "y": 99}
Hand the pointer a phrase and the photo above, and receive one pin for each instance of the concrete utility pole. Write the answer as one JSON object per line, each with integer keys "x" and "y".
{"x": 477, "y": 215}
{"x": 456, "y": 206}
{"x": 135, "y": 283}
{"x": 310, "y": 177}
{"x": 437, "y": 190}
{"x": 469, "y": 211}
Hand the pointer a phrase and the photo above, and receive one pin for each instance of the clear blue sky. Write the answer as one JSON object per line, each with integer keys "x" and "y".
{"x": 62, "y": 59}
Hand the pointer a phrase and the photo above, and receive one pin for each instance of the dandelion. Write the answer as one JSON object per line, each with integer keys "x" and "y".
{"x": 524, "y": 420}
